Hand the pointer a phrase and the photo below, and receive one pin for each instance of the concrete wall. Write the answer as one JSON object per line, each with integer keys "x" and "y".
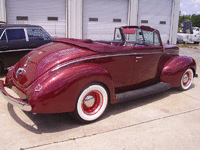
{"x": 133, "y": 12}
{"x": 2, "y": 11}
{"x": 174, "y": 21}
{"x": 75, "y": 9}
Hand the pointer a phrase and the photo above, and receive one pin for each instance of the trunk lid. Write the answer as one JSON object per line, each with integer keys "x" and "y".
{"x": 42, "y": 59}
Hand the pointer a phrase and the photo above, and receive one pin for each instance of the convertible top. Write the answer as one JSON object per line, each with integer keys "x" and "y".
{"x": 102, "y": 47}
{"x": 93, "y": 45}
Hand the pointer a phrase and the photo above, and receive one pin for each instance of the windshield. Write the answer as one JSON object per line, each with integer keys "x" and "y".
{"x": 139, "y": 36}
{"x": 132, "y": 34}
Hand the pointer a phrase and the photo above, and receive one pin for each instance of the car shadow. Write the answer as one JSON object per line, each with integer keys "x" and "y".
{"x": 139, "y": 102}
{"x": 44, "y": 123}
{"x": 49, "y": 123}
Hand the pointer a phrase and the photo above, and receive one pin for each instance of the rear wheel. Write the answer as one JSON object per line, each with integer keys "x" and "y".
{"x": 187, "y": 79}
{"x": 91, "y": 103}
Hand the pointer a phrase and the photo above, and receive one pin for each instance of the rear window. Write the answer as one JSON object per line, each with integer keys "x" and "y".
{"x": 132, "y": 34}
{"x": 37, "y": 33}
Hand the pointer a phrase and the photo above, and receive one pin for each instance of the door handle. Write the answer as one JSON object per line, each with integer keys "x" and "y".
{"x": 139, "y": 57}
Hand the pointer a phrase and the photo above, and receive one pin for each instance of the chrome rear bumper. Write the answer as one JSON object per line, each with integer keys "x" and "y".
{"x": 14, "y": 101}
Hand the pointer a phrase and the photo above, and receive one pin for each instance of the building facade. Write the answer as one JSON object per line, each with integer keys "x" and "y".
{"x": 93, "y": 19}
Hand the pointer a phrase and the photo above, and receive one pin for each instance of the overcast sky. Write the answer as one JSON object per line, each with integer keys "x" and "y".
{"x": 190, "y": 7}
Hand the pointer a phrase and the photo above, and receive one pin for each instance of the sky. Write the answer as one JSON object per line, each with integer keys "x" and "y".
{"x": 189, "y": 7}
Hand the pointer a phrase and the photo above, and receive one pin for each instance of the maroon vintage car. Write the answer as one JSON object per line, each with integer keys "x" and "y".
{"x": 83, "y": 76}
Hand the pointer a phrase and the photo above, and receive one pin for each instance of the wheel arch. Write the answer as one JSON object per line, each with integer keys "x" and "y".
{"x": 194, "y": 71}
{"x": 175, "y": 67}
{"x": 100, "y": 83}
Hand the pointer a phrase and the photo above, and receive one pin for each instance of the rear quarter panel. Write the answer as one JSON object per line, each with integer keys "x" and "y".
{"x": 61, "y": 90}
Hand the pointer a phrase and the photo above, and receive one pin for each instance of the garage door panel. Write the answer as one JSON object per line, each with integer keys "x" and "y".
{"x": 99, "y": 15}
{"x": 154, "y": 12}
{"x": 38, "y": 12}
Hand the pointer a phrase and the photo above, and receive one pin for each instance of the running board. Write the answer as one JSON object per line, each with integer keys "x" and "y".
{"x": 156, "y": 88}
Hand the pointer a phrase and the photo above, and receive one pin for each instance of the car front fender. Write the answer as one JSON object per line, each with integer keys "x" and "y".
{"x": 175, "y": 68}
{"x": 60, "y": 91}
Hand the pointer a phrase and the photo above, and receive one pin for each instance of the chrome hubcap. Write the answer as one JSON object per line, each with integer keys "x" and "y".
{"x": 92, "y": 103}
{"x": 185, "y": 78}
{"x": 89, "y": 101}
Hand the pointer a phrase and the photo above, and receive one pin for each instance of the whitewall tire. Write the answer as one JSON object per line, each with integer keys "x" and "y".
{"x": 91, "y": 103}
{"x": 187, "y": 79}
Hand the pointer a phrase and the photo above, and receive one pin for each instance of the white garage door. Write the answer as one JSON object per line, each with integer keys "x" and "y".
{"x": 50, "y": 14}
{"x": 100, "y": 17}
{"x": 157, "y": 14}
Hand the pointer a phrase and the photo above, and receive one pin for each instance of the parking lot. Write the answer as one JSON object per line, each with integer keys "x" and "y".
{"x": 168, "y": 120}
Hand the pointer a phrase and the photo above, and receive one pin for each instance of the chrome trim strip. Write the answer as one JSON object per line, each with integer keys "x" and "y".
{"x": 112, "y": 55}
{"x": 27, "y": 61}
{"x": 5, "y": 34}
{"x": 26, "y": 34}
{"x": 7, "y": 51}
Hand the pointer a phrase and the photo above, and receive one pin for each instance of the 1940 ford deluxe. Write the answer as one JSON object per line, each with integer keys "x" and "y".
{"x": 83, "y": 76}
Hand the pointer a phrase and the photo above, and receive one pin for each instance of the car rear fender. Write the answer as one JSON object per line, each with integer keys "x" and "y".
{"x": 60, "y": 91}
{"x": 175, "y": 68}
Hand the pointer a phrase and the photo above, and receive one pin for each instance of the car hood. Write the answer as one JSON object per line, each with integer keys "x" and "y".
{"x": 44, "y": 58}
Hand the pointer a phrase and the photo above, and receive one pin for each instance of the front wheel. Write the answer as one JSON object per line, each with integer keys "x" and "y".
{"x": 91, "y": 103}
{"x": 187, "y": 79}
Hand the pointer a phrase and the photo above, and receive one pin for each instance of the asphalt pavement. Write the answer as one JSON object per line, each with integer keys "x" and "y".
{"x": 168, "y": 120}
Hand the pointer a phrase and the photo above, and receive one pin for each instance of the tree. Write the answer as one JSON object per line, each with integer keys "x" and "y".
{"x": 195, "y": 20}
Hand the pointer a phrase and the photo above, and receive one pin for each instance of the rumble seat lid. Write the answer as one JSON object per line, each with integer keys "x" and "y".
{"x": 44, "y": 58}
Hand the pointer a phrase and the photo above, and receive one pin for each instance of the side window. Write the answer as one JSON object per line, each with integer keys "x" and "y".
{"x": 15, "y": 34}
{"x": 148, "y": 37}
{"x": 117, "y": 35}
{"x": 37, "y": 33}
{"x": 156, "y": 39}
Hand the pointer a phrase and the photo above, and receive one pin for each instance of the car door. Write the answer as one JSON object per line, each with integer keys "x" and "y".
{"x": 147, "y": 59}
